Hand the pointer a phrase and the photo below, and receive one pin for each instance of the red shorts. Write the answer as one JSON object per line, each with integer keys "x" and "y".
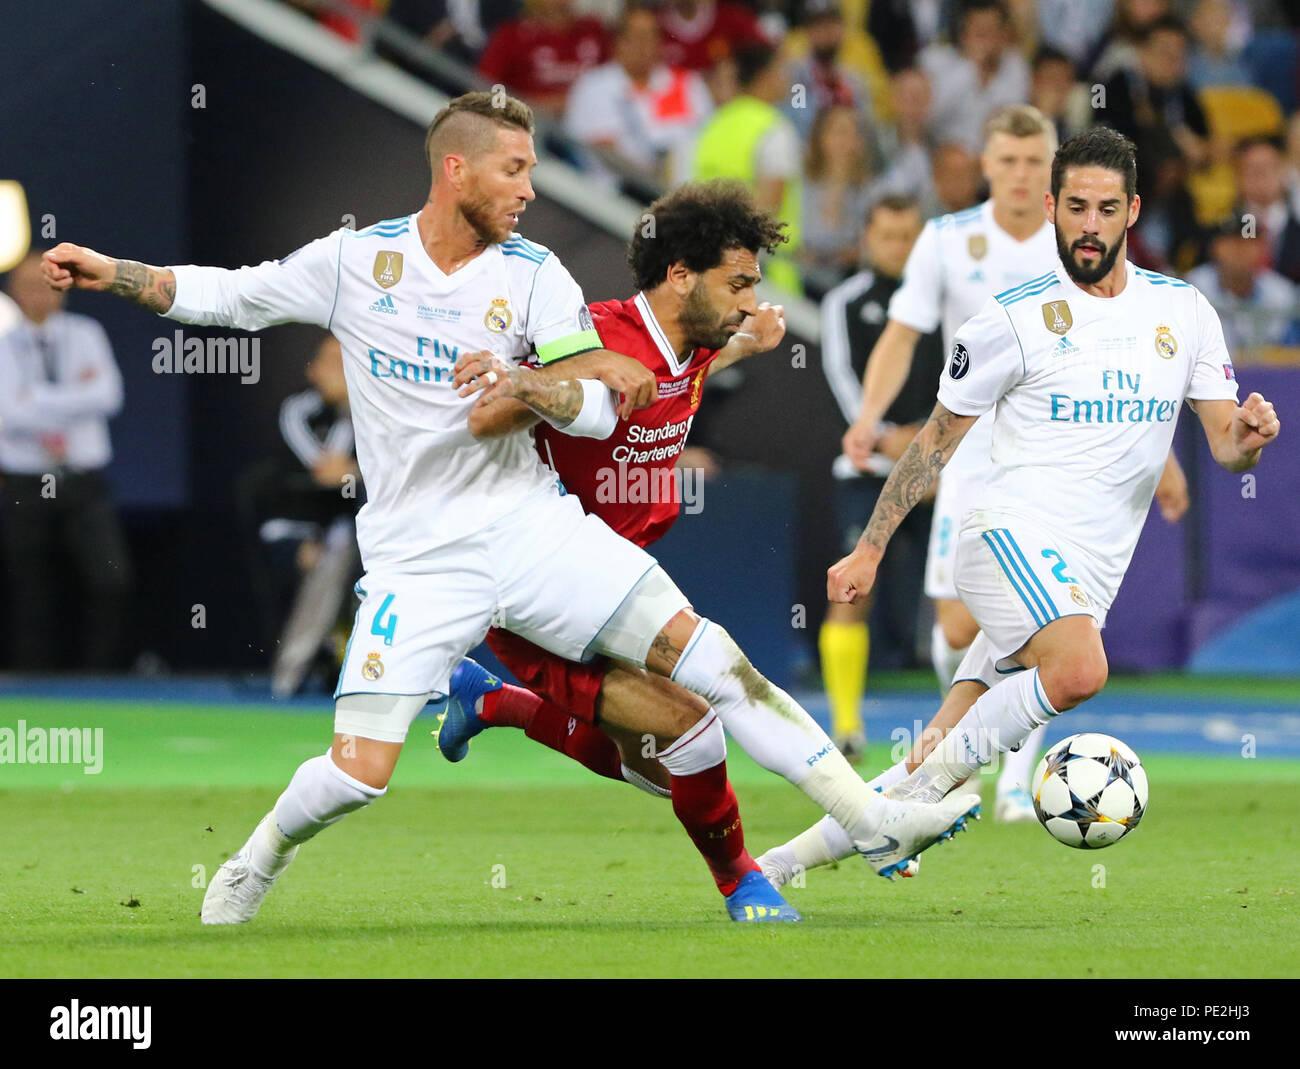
{"x": 568, "y": 684}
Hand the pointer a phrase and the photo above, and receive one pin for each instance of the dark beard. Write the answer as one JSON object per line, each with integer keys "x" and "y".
{"x": 1087, "y": 276}
{"x": 699, "y": 321}
{"x": 478, "y": 212}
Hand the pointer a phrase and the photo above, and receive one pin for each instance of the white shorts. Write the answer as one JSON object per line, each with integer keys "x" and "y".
{"x": 951, "y": 502}
{"x": 548, "y": 572}
{"x": 1015, "y": 581}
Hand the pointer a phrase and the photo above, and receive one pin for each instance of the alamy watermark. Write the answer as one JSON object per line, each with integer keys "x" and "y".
{"x": 53, "y": 746}
{"x": 179, "y": 355}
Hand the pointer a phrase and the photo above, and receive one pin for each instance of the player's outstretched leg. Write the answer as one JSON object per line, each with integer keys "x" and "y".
{"x": 1067, "y": 665}
{"x": 783, "y": 738}
{"x": 826, "y": 841}
{"x": 322, "y": 792}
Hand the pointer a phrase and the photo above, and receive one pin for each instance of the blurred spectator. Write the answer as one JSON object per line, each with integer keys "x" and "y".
{"x": 541, "y": 55}
{"x": 1073, "y": 27}
{"x": 1274, "y": 212}
{"x": 1055, "y": 91}
{"x": 749, "y": 138}
{"x": 853, "y": 318}
{"x": 1118, "y": 48}
{"x": 58, "y": 387}
{"x": 294, "y": 499}
{"x": 347, "y": 28}
{"x": 904, "y": 143}
{"x": 824, "y": 80}
{"x": 1154, "y": 105}
{"x": 1292, "y": 168}
{"x": 1214, "y": 60}
{"x": 956, "y": 177}
{"x": 835, "y": 188}
{"x": 634, "y": 109}
{"x": 983, "y": 73}
{"x": 1256, "y": 305}
{"x": 460, "y": 28}
{"x": 901, "y": 28}
{"x": 699, "y": 33}
{"x": 9, "y": 314}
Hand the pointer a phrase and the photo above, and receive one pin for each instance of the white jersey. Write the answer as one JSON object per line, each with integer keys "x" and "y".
{"x": 958, "y": 263}
{"x": 402, "y": 325}
{"x": 1088, "y": 391}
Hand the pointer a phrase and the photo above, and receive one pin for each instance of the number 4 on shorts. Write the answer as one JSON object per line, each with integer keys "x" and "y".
{"x": 386, "y": 631}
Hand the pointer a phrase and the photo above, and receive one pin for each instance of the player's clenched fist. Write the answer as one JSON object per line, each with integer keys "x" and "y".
{"x": 66, "y": 266}
{"x": 858, "y": 442}
{"x": 851, "y": 578}
{"x": 484, "y": 370}
{"x": 1254, "y": 424}
{"x": 764, "y": 329}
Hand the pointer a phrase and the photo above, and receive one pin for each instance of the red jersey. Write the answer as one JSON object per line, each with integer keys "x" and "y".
{"x": 714, "y": 32}
{"x": 533, "y": 59}
{"x": 628, "y": 478}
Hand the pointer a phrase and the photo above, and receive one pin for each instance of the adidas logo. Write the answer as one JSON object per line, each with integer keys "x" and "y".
{"x": 1065, "y": 347}
{"x": 385, "y": 305}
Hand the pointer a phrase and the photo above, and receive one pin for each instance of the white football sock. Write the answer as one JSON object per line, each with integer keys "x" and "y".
{"x": 945, "y": 659}
{"x": 319, "y": 794}
{"x": 889, "y": 777}
{"x": 1017, "y": 767}
{"x": 1003, "y": 717}
{"x": 775, "y": 730}
{"x": 821, "y": 844}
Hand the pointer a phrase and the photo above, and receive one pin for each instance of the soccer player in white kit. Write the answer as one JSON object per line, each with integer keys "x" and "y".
{"x": 1086, "y": 369}
{"x": 459, "y": 534}
{"x": 958, "y": 262}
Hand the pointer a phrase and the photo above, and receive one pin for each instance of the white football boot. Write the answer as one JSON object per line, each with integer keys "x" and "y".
{"x": 236, "y": 891}
{"x": 912, "y": 827}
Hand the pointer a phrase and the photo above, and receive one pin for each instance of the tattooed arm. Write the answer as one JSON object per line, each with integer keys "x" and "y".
{"x": 913, "y": 476}
{"x": 69, "y": 266}
{"x": 513, "y": 397}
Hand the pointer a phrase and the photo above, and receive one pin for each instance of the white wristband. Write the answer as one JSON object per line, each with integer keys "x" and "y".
{"x": 598, "y": 416}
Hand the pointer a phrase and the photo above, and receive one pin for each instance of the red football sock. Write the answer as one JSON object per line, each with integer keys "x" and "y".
{"x": 553, "y": 727}
{"x": 707, "y": 808}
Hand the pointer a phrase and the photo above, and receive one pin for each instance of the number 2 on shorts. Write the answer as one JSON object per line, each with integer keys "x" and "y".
{"x": 1058, "y": 571}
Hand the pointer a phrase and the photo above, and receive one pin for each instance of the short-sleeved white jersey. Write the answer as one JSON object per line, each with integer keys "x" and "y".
{"x": 402, "y": 324}
{"x": 1087, "y": 393}
{"x": 958, "y": 263}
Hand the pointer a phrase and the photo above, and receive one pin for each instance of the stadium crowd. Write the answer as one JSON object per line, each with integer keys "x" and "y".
{"x": 826, "y": 106}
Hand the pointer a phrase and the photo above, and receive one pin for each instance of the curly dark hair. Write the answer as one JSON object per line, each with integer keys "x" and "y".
{"x": 696, "y": 224}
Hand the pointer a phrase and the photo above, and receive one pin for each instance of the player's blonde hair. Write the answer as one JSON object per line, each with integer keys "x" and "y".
{"x": 1021, "y": 120}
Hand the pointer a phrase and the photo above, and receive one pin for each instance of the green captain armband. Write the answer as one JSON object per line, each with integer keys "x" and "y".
{"x": 582, "y": 342}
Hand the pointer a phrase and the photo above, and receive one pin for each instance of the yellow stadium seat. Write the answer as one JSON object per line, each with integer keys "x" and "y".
{"x": 1235, "y": 112}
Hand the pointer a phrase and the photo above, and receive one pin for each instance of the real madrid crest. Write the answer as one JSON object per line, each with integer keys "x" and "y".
{"x": 978, "y": 246}
{"x": 498, "y": 317}
{"x": 1078, "y": 596}
{"x": 373, "y": 668}
{"x": 1166, "y": 346}
{"x": 388, "y": 268}
{"x": 1057, "y": 317}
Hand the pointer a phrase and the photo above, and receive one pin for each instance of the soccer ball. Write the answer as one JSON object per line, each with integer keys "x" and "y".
{"x": 1089, "y": 791}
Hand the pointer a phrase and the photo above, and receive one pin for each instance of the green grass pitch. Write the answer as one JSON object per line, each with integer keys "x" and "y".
{"x": 519, "y": 863}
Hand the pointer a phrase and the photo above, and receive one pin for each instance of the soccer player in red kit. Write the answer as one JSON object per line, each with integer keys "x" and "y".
{"x": 696, "y": 312}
